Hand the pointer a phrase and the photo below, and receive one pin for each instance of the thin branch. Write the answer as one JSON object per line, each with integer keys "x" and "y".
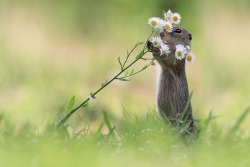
{"x": 134, "y": 73}
{"x": 123, "y": 68}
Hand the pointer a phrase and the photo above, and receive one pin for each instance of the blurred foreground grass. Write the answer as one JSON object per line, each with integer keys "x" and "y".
{"x": 130, "y": 141}
{"x": 51, "y": 51}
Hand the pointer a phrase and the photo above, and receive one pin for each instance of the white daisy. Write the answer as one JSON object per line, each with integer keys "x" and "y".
{"x": 176, "y": 18}
{"x": 168, "y": 15}
{"x": 167, "y": 26}
{"x": 164, "y": 49}
{"x": 180, "y": 52}
{"x": 155, "y": 22}
{"x": 188, "y": 47}
{"x": 156, "y": 41}
{"x": 190, "y": 58}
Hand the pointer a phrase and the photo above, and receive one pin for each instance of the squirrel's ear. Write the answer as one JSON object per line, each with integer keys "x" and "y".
{"x": 190, "y": 37}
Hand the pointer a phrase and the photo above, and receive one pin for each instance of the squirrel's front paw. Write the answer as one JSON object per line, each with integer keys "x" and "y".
{"x": 155, "y": 50}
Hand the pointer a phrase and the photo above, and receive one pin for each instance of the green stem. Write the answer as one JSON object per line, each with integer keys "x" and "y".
{"x": 138, "y": 57}
{"x": 144, "y": 68}
{"x": 128, "y": 54}
{"x": 96, "y": 92}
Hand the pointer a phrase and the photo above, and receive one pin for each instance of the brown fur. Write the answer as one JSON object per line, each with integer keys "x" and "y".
{"x": 172, "y": 86}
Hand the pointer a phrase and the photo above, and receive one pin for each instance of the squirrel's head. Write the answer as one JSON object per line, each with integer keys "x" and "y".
{"x": 179, "y": 35}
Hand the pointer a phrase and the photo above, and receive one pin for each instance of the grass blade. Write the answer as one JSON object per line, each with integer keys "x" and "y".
{"x": 107, "y": 122}
{"x": 183, "y": 114}
{"x": 239, "y": 121}
{"x": 71, "y": 103}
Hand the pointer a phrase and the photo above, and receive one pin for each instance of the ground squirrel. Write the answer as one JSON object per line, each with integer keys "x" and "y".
{"x": 172, "y": 86}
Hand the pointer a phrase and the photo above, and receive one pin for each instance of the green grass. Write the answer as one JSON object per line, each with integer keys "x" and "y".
{"x": 125, "y": 141}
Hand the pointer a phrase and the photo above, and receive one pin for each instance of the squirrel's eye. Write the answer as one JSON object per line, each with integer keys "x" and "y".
{"x": 178, "y": 30}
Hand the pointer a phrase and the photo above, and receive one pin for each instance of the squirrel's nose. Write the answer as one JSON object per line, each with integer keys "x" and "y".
{"x": 190, "y": 37}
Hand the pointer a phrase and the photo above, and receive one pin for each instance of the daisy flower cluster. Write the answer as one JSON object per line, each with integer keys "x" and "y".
{"x": 167, "y": 24}
{"x": 170, "y": 19}
{"x": 183, "y": 52}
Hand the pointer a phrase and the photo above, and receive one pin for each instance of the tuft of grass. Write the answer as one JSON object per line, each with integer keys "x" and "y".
{"x": 127, "y": 141}
{"x": 239, "y": 121}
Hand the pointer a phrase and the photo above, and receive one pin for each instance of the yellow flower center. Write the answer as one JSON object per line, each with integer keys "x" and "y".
{"x": 167, "y": 27}
{"x": 153, "y": 23}
{"x": 179, "y": 53}
{"x": 175, "y": 18}
{"x": 189, "y": 58}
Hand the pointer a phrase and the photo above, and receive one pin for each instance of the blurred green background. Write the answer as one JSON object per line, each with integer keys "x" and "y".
{"x": 52, "y": 50}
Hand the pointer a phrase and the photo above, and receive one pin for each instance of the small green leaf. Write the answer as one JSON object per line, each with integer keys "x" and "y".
{"x": 140, "y": 43}
{"x": 132, "y": 72}
{"x": 103, "y": 84}
{"x": 123, "y": 79}
{"x": 119, "y": 60}
{"x": 71, "y": 103}
{"x": 143, "y": 68}
{"x": 92, "y": 96}
{"x": 126, "y": 74}
{"x": 85, "y": 105}
{"x": 140, "y": 55}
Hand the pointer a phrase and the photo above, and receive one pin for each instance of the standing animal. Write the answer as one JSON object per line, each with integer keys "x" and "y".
{"x": 172, "y": 87}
